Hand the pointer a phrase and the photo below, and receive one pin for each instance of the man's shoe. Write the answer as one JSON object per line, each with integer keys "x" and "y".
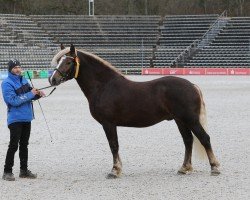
{"x": 8, "y": 176}
{"x": 27, "y": 174}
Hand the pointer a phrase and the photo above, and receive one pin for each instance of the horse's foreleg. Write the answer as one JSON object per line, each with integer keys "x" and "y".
{"x": 111, "y": 133}
{"x": 188, "y": 141}
{"x": 204, "y": 138}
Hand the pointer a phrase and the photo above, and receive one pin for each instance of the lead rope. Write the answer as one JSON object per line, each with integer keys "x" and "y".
{"x": 41, "y": 109}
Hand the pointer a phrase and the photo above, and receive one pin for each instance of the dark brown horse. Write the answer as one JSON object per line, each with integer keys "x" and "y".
{"x": 116, "y": 101}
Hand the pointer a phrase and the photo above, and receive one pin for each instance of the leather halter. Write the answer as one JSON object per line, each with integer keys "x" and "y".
{"x": 76, "y": 65}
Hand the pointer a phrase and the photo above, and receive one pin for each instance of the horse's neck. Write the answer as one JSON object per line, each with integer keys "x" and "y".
{"x": 93, "y": 77}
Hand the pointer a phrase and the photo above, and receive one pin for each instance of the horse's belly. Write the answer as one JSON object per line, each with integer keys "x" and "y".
{"x": 143, "y": 120}
{"x": 138, "y": 124}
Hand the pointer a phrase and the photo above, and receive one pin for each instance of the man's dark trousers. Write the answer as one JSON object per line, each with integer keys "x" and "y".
{"x": 19, "y": 134}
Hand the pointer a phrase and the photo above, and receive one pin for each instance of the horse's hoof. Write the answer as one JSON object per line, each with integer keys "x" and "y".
{"x": 112, "y": 176}
{"x": 185, "y": 170}
{"x": 215, "y": 171}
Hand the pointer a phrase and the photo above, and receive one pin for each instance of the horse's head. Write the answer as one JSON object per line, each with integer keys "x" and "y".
{"x": 66, "y": 64}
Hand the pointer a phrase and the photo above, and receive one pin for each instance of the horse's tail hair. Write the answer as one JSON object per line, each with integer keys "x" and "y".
{"x": 199, "y": 149}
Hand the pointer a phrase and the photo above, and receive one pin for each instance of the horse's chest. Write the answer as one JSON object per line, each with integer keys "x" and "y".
{"x": 98, "y": 110}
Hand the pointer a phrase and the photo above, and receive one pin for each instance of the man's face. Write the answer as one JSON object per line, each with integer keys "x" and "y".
{"x": 17, "y": 70}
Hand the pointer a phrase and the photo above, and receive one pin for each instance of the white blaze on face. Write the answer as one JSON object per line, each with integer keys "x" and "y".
{"x": 57, "y": 67}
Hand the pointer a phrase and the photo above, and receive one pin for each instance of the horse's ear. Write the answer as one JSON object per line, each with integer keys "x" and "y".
{"x": 62, "y": 47}
{"x": 72, "y": 50}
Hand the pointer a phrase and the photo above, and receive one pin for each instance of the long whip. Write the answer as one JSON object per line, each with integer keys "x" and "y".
{"x": 41, "y": 108}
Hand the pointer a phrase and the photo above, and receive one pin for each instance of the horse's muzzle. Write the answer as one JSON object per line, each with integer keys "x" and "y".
{"x": 52, "y": 81}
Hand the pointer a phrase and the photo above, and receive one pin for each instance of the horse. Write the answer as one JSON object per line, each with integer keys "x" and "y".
{"x": 114, "y": 100}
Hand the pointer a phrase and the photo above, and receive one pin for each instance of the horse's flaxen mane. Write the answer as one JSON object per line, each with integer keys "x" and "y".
{"x": 67, "y": 50}
{"x": 61, "y": 53}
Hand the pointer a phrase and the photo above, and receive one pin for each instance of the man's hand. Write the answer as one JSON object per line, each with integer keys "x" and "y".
{"x": 35, "y": 91}
{"x": 38, "y": 92}
{"x": 42, "y": 94}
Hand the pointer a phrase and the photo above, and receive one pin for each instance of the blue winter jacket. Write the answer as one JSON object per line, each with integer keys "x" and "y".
{"x": 18, "y": 98}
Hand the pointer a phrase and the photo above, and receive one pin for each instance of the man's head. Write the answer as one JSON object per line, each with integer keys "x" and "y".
{"x": 14, "y": 67}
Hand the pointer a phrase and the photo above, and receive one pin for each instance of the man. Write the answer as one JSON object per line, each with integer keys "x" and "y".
{"x": 18, "y": 96}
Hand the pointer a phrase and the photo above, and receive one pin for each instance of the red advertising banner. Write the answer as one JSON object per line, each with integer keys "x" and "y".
{"x": 216, "y": 71}
{"x": 196, "y": 71}
{"x": 238, "y": 71}
{"x": 172, "y": 71}
{"x": 152, "y": 71}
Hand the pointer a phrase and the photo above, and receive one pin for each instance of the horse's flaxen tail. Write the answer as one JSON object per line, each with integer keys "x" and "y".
{"x": 199, "y": 149}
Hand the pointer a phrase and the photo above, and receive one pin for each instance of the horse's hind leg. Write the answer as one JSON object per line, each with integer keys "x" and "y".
{"x": 204, "y": 138}
{"x": 188, "y": 141}
{"x": 111, "y": 134}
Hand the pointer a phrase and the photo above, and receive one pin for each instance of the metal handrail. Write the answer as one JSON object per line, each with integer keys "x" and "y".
{"x": 212, "y": 26}
{"x": 197, "y": 41}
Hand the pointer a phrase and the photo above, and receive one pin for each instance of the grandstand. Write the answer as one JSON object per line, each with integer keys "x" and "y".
{"x": 177, "y": 33}
{"x": 230, "y": 48}
{"x": 21, "y": 38}
{"x": 122, "y": 40}
{"x": 128, "y": 42}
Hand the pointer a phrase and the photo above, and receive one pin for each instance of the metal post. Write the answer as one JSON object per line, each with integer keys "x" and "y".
{"x": 249, "y": 54}
{"x": 142, "y": 53}
{"x": 47, "y": 52}
{"x": 146, "y": 7}
{"x": 91, "y": 8}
